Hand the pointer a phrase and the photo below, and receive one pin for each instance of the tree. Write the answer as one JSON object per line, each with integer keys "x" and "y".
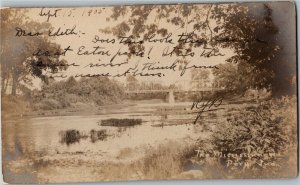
{"x": 19, "y": 58}
{"x": 254, "y": 42}
{"x": 248, "y": 29}
{"x": 200, "y": 78}
{"x": 132, "y": 83}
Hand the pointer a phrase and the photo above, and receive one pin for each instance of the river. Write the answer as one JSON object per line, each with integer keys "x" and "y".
{"x": 160, "y": 122}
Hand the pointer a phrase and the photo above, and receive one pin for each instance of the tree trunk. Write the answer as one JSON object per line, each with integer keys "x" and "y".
{"x": 6, "y": 83}
{"x": 14, "y": 83}
{"x": 2, "y": 85}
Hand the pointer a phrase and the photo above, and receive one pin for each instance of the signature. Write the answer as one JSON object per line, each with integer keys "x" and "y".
{"x": 209, "y": 105}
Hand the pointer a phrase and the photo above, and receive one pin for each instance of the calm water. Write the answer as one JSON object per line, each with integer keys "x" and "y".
{"x": 41, "y": 134}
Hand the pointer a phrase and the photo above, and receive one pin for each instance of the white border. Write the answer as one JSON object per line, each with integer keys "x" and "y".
{"x": 86, "y": 3}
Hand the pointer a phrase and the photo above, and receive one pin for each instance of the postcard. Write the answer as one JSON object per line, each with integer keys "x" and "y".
{"x": 149, "y": 92}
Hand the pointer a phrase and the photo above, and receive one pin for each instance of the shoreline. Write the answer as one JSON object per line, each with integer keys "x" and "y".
{"x": 85, "y": 109}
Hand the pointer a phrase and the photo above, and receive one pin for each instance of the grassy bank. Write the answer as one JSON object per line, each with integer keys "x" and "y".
{"x": 165, "y": 161}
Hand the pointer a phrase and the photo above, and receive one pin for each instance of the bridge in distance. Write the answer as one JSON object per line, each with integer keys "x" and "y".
{"x": 170, "y": 92}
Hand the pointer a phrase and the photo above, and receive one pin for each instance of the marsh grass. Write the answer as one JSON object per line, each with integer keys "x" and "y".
{"x": 165, "y": 161}
{"x": 121, "y": 122}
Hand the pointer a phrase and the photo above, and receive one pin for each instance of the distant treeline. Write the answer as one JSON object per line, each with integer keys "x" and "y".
{"x": 178, "y": 96}
{"x": 64, "y": 94}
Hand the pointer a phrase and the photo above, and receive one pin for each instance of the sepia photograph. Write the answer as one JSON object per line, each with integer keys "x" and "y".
{"x": 149, "y": 92}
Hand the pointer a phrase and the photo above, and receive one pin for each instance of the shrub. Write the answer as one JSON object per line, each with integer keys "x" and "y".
{"x": 47, "y": 104}
{"x": 255, "y": 139}
{"x": 62, "y": 94}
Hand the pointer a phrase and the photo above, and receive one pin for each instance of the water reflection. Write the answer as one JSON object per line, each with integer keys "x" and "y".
{"x": 70, "y": 136}
{"x": 96, "y": 135}
{"x": 73, "y": 134}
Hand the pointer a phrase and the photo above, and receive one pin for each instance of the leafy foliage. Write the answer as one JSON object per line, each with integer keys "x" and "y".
{"x": 254, "y": 41}
{"x": 201, "y": 77}
{"x": 255, "y": 139}
{"x": 246, "y": 29}
{"x": 18, "y": 64}
{"x": 63, "y": 94}
{"x": 241, "y": 77}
